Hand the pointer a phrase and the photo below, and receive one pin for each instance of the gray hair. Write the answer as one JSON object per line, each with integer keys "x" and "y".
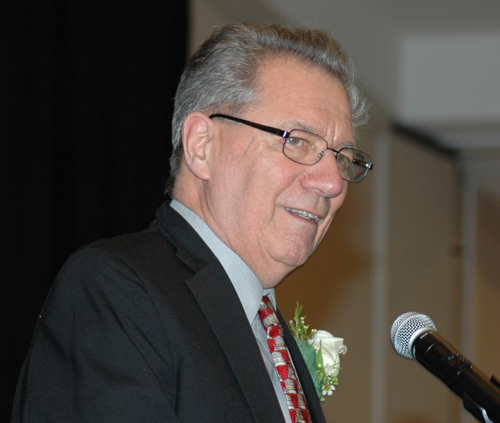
{"x": 221, "y": 75}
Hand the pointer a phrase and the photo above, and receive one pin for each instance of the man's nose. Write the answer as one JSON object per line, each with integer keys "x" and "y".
{"x": 324, "y": 177}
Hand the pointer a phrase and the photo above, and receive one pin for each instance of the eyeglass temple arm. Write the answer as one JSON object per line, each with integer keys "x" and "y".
{"x": 269, "y": 129}
{"x": 362, "y": 163}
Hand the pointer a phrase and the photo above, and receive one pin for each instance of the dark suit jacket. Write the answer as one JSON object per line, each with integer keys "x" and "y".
{"x": 148, "y": 328}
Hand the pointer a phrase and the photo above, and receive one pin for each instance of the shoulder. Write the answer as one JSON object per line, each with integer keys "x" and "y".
{"x": 127, "y": 255}
{"x": 116, "y": 288}
{"x": 121, "y": 274}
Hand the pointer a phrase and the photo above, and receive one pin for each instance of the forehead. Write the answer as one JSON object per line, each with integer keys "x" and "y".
{"x": 296, "y": 95}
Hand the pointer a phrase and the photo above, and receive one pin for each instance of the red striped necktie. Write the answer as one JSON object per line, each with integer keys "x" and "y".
{"x": 293, "y": 392}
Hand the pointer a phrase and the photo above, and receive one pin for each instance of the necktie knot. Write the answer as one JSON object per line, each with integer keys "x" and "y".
{"x": 267, "y": 313}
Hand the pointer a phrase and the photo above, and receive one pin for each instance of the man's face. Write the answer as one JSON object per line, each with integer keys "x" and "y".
{"x": 254, "y": 192}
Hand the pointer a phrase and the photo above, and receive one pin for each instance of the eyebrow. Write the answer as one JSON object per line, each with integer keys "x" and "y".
{"x": 295, "y": 124}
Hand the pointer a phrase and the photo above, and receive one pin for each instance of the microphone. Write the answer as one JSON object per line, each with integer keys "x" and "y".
{"x": 414, "y": 336}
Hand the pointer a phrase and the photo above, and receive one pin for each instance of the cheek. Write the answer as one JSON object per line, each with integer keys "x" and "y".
{"x": 243, "y": 189}
{"x": 334, "y": 207}
{"x": 250, "y": 179}
{"x": 323, "y": 230}
{"x": 263, "y": 176}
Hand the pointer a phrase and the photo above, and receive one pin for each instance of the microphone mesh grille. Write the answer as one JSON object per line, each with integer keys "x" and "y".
{"x": 404, "y": 327}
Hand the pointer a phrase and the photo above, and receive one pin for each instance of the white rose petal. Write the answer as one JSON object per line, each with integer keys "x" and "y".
{"x": 331, "y": 347}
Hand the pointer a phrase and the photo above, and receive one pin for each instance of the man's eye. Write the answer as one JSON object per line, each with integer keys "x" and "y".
{"x": 344, "y": 160}
{"x": 295, "y": 142}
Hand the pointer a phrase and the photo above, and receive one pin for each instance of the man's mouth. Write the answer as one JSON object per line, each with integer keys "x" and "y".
{"x": 303, "y": 214}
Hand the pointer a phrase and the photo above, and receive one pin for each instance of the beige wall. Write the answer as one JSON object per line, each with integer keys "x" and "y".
{"x": 393, "y": 247}
{"x": 424, "y": 273}
{"x": 480, "y": 262}
{"x": 487, "y": 321}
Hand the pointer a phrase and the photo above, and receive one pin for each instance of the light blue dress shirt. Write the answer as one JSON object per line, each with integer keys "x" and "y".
{"x": 250, "y": 291}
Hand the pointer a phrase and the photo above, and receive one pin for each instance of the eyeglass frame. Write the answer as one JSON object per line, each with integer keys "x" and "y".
{"x": 285, "y": 134}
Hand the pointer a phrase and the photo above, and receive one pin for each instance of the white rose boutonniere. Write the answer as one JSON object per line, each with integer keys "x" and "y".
{"x": 330, "y": 348}
{"x": 321, "y": 351}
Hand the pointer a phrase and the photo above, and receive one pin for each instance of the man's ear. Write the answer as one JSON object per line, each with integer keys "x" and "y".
{"x": 197, "y": 134}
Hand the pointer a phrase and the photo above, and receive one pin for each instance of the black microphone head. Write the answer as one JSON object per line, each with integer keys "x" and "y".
{"x": 405, "y": 329}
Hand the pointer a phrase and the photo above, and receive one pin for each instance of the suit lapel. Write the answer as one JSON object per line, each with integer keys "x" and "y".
{"x": 222, "y": 308}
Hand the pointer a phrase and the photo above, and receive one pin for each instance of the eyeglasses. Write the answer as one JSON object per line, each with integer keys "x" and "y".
{"x": 308, "y": 149}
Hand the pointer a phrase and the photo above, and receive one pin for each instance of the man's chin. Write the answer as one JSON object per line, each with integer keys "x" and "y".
{"x": 297, "y": 258}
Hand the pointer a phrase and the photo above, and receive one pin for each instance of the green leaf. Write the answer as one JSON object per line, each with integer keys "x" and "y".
{"x": 320, "y": 372}
{"x": 298, "y": 326}
{"x": 319, "y": 358}
{"x": 309, "y": 354}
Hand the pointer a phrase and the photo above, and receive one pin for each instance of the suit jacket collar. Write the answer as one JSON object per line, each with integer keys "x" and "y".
{"x": 219, "y": 302}
{"x": 221, "y": 306}
{"x": 190, "y": 247}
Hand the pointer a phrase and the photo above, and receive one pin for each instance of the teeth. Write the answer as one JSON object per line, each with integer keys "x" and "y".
{"x": 303, "y": 214}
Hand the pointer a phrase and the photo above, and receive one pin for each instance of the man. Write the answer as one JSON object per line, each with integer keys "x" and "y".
{"x": 166, "y": 325}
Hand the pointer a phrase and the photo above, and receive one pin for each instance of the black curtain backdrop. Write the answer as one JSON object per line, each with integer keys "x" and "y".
{"x": 86, "y": 91}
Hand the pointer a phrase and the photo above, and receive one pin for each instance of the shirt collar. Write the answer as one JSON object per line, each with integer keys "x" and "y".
{"x": 249, "y": 289}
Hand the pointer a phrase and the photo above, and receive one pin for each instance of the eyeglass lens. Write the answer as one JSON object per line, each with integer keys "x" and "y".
{"x": 308, "y": 149}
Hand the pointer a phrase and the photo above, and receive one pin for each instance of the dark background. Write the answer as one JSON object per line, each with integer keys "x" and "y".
{"x": 86, "y": 91}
